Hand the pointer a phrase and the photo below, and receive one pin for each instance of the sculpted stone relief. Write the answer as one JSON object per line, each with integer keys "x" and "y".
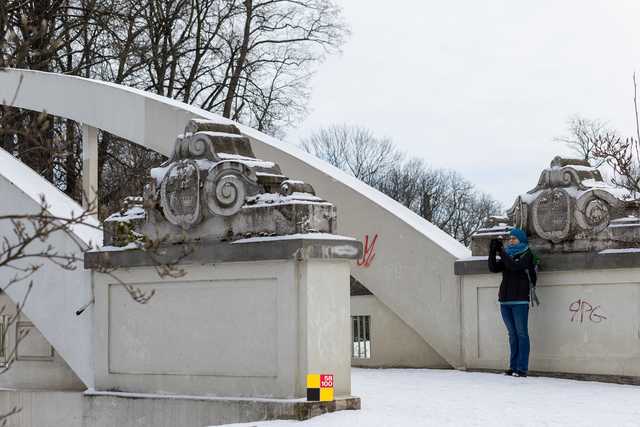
{"x": 551, "y": 214}
{"x": 571, "y": 209}
{"x": 179, "y": 195}
{"x": 214, "y": 187}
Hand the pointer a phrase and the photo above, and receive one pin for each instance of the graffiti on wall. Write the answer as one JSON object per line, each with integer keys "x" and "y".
{"x": 582, "y": 311}
{"x": 368, "y": 252}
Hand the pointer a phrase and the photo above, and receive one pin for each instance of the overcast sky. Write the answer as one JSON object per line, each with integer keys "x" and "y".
{"x": 481, "y": 87}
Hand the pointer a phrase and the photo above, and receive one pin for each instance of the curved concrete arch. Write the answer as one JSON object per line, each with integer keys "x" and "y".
{"x": 410, "y": 264}
{"x": 57, "y": 293}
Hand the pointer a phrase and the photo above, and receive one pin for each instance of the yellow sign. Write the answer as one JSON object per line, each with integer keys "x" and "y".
{"x": 320, "y": 387}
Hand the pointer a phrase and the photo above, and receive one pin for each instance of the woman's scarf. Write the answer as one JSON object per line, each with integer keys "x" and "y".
{"x": 513, "y": 250}
{"x": 522, "y": 246}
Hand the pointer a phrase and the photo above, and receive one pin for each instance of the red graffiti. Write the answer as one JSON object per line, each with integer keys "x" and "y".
{"x": 583, "y": 310}
{"x": 369, "y": 252}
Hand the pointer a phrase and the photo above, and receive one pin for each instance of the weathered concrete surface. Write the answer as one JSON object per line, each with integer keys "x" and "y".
{"x": 38, "y": 366}
{"x": 588, "y": 323}
{"x": 412, "y": 271}
{"x": 309, "y": 246}
{"x": 241, "y": 329}
{"x": 76, "y": 409}
{"x": 43, "y": 408}
{"x": 393, "y": 342}
{"x": 120, "y": 410}
{"x": 214, "y": 188}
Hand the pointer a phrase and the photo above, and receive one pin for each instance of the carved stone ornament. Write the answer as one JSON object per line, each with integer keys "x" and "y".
{"x": 571, "y": 209}
{"x": 180, "y": 194}
{"x": 567, "y": 173}
{"x": 551, "y": 215}
{"x": 227, "y": 187}
{"x": 214, "y": 188}
{"x": 519, "y": 213}
{"x": 593, "y": 210}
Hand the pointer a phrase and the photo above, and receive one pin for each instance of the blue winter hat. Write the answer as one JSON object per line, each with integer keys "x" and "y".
{"x": 520, "y": 235}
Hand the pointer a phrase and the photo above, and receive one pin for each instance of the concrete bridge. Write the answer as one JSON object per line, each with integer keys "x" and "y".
{"x": 408, "y": 262}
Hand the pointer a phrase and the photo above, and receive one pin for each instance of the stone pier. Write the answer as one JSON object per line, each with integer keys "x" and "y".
{"x": 587, "y": 236}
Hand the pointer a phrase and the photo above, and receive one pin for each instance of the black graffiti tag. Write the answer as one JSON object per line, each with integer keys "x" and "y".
{"x": 582, "y": 310}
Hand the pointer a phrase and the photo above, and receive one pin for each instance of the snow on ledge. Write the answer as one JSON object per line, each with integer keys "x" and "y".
{"x": 620, "y": 251}
{"x": 297, "y": 236}
{"x": 476, "y": 258}
{"x": 91, "y": 392}
{"x": 129, "y": 246}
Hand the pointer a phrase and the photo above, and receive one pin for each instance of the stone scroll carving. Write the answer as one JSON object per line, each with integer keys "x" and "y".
{"x": 571, "y": 209}
{"x": 214, "y": 187}
{"x": 228, "y": 185}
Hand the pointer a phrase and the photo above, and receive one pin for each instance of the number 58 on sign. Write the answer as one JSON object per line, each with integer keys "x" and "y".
{"x": 320, "y": 387}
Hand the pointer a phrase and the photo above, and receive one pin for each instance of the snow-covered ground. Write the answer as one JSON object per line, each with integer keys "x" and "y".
{"x": 426, "y": 397}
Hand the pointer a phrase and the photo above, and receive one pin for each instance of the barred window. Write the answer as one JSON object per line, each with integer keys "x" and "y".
{"x": 361, "y": 337}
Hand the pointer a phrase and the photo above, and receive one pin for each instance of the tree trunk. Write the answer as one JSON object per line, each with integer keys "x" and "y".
{"x": 237, "y": 71}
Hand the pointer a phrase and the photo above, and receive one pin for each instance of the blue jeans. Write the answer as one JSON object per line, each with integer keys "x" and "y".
{"x": 516, "y": 319}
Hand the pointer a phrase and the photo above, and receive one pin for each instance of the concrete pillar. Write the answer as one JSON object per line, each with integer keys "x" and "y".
{"x": 89, "y": 166}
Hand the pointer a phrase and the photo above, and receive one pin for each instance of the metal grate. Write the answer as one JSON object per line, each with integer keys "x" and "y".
{"x": 361, "y": 337}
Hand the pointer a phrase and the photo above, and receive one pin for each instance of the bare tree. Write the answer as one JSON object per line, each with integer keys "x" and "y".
{"x": 583, "y": 136}
{"x": 355, "y": 150}
{"x": 285, "y": 35}
{"x": 250, "y": 60}
{"x": 442, "y": 197}
{"x": 621, "y": 155}
{"x": 601, "y": 145}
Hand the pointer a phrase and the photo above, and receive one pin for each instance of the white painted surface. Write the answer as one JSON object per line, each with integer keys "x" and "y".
{"x": 323, "y": 324}
{"x": 413, "y": 268}
{"x": 56, "y": 293}
{"x": 34, "y": 187}
{"x": 393, "y": 342}
{"x": 244, "y": 329}
{"x": 237, "y": 318}
{"x": 588, "y": 322}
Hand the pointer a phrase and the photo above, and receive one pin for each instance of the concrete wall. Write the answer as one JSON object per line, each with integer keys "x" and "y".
{"x": 243, "y": 329}
{"x": 56, "y": 293}
{"x": 95, "y": 409}
{"x": 37, "y": 366}
{"x": 43, "y": 408}
{"x": 323, "y": 324}
{"x": 393, "y": 342}
{"x": 588, "y": 322}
